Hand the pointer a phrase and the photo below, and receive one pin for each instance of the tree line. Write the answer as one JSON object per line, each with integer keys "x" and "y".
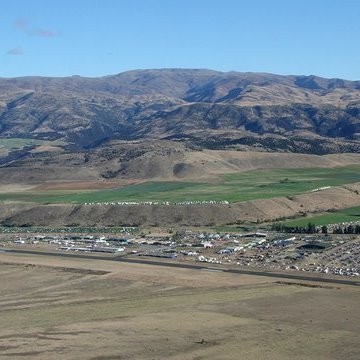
{"x": 311, "y": 228}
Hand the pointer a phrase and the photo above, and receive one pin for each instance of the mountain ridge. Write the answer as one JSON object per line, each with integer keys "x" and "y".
{"x": 161, "y": 103}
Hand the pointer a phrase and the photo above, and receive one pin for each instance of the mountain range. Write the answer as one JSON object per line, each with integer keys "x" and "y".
{"x": 209, "y": 109}
{"x": 175, "y": 125}
{"x": 202, "y": 109}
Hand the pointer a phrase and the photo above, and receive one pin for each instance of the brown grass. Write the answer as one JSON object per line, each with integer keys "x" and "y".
{"x": 83, "y": 185}
{"x": 144, "y": 312}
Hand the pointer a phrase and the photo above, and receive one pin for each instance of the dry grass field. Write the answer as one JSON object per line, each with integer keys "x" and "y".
{"x": 57, "y": 308}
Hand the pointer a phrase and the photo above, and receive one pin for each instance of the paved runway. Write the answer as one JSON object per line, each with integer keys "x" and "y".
{"x": 309, "y": 278}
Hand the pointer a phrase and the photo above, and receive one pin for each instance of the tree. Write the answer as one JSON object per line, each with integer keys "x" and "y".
{"x": 338, "y": 230}
{"x": 324, "y": 229}
{"x": 311, "y": 228}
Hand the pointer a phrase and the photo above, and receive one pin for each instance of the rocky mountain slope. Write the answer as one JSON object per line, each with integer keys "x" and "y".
{"x": 207, "y": 109}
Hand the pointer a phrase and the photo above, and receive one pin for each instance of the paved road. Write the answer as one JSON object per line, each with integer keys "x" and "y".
{"x": 309, "y": 278}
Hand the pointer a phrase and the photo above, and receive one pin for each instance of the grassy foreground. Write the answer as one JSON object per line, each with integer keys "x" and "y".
{"x": 64, "y": 308}
{"x": 257, "y": 184}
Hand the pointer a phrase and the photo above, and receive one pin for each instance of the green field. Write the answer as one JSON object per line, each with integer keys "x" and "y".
{"x": 258, "y": 184}
{"x": 12, "y": 144}
{"x": 234, "y": 229}
{"x": 345, "y": 215}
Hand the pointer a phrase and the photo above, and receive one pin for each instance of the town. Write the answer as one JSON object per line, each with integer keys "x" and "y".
{"x": 337, "y": 254}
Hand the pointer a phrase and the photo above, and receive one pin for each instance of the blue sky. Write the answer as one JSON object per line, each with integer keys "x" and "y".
{"x": 95, "y": 38}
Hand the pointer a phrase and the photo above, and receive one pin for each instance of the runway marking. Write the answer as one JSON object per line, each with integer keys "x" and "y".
{"x": 212, "y": 269}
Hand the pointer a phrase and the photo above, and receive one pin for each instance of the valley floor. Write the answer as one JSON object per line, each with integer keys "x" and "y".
{"x": 56, "y": 308}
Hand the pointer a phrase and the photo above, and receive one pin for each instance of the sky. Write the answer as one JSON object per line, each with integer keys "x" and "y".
{"x": 103, "y": 37}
